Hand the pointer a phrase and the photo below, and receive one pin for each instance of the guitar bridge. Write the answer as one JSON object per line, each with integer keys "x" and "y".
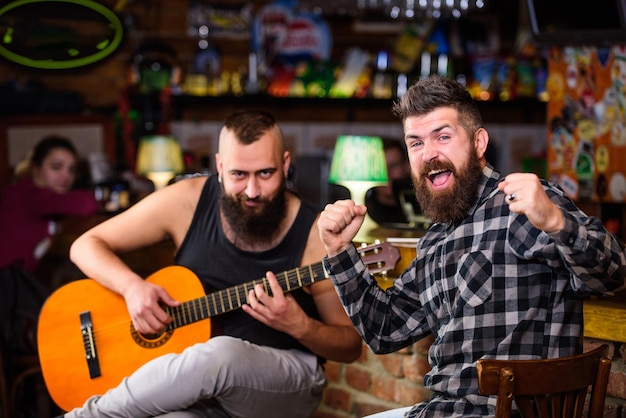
{"x": 89, "y": 344}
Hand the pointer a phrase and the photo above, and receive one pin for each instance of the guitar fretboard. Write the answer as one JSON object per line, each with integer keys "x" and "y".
{"x": 235, "y": 297}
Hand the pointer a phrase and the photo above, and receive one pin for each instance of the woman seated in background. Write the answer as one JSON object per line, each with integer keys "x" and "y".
{"x": 29, "y": 211}
{"x": 31, "y": 206}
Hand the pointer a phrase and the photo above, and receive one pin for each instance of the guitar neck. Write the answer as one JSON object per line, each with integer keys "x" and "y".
{"x": 235, "y": 297}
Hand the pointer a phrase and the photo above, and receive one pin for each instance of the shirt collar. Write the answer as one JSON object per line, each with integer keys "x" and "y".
{"x": 488, "y": 184}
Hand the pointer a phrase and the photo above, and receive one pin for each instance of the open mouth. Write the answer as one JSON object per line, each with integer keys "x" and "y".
{"x": 439, "y": 177}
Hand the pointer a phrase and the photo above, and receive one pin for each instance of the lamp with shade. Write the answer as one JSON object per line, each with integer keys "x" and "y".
{"x": 359, "y": 164}
{"x": 159, "y": 158}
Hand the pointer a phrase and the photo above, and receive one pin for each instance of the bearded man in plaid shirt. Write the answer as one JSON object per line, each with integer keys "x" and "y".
{"x": 500, "y": 274}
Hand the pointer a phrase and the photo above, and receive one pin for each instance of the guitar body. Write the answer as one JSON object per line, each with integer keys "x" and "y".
{"x": 87, "y": 344}
{"x": 119, "y": 348}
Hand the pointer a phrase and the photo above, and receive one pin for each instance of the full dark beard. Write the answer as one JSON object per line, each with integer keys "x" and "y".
{"x": 450, "y": 205}
{"x": 254, "y": 225}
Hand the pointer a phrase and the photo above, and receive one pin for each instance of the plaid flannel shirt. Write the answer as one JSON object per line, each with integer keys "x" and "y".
{"x": 491, "y": 286}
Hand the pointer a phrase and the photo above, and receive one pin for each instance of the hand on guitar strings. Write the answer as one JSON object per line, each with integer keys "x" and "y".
{"x": 276, "y": 309}
{"x": 144, "y": 301}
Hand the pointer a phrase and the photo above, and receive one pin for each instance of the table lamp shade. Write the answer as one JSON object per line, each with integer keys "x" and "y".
{"x": 358, "y": 158}
{"x": 359, "y": 164}
{"x": 159, "y": 158}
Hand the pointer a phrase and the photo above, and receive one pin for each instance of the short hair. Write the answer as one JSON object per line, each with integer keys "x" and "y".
{"x": 249, "y": 125}
{"x": 435, "y": 91}
{"x": 47, "y": 145}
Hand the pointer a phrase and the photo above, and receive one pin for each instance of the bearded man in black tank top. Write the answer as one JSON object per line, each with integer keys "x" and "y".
{"x": 229, "y": 229}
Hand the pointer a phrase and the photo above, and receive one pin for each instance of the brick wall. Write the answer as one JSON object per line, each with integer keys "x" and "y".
{"x": 616, "y": 393}
{"x": 379, "y": 382}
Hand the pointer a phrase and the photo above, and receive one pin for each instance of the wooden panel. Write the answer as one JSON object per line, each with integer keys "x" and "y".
{"x": 605, "y": 319}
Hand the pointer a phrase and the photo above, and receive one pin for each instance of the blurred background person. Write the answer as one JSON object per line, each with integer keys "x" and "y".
{"x": 383, "y": 202}
{"x": 31, "y": 207}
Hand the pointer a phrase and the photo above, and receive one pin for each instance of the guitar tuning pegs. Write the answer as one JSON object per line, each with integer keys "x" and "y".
{"x": 376, "y": 242}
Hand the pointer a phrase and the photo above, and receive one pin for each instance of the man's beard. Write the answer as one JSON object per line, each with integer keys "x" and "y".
{"x": 258, "y": 224}
{"x": 450, "y": 205}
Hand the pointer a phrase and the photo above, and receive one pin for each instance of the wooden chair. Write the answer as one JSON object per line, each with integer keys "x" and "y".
{"x": 552, "y": 388}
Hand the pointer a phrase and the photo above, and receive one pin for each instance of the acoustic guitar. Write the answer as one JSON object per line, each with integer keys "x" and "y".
{"x": 87, "y": 343}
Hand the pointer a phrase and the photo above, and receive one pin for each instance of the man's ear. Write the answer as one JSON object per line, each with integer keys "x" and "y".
{"x": 218, "y": 164}
{"x": 481, "y": 140}
{"x": 286, "y": 163}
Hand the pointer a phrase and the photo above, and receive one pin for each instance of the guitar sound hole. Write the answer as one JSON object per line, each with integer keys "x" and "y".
{"x": 150, "y": 340}
{"x": 152, "y": 336}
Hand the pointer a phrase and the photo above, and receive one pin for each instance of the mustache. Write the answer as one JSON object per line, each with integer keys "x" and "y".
{"x": 436, "y": 165}
{"x": 244, "y": 198}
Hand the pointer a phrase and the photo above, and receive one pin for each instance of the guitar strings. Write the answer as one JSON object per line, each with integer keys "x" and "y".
{"x": 232, "y": 298}
{"x": 213, "y": 304}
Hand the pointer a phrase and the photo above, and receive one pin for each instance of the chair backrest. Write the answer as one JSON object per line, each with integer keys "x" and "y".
{"x": 551, "y": 388}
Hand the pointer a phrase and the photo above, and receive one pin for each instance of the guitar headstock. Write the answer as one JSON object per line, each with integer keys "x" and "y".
{"x": 379, "y": 257}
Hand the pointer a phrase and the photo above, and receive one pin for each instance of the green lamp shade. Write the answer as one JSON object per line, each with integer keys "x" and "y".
{"x": 358, "y": 158}
{"x": 359, "y": 164}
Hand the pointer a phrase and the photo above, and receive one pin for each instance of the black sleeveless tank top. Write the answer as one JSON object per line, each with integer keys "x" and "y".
{"x": 219, "y": 264}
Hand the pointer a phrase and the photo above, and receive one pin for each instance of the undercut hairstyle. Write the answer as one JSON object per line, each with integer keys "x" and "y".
{"x": 249, "y": 125}
{"x": 435, "y": 91}
{"x": 47, "y": 145}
